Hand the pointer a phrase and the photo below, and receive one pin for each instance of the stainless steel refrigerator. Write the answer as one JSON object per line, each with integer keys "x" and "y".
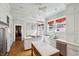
{"x": 3, "y": 42}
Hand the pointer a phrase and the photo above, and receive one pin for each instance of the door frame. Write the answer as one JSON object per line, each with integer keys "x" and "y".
{"x": 15, "y": 30}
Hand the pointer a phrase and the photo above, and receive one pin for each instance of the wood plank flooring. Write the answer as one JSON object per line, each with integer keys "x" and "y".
{"x": 17, "y": 49}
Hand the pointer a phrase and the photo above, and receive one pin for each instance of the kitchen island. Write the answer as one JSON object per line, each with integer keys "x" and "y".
{"x": 43, "y": 49}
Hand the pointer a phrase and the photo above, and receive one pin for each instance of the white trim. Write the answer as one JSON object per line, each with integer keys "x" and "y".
{"x": 70, "y": 43}
{"x": 21, "y": 30}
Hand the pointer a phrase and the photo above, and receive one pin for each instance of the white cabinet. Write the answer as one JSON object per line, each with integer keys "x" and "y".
{"x": 76, "y": 28}
{"x": 72, "y": 50}
{"x": 70, "y": 22}
{"x": 27, "y": 43}
{"x": 72, "y": 28}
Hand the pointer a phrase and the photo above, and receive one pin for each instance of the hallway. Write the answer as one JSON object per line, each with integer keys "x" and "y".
{"x": 17, "y": 49}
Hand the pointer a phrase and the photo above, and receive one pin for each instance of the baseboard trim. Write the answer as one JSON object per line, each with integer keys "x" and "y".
{"x": 9, "y": 50}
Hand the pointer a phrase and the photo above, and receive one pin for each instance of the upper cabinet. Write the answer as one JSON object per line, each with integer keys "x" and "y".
{"x": 72, "y": 16}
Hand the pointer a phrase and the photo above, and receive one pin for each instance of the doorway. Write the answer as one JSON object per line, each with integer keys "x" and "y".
{"x": 18, "y": 33}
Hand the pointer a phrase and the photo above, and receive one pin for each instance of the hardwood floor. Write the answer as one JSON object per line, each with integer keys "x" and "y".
{"x": 17, "y": 49}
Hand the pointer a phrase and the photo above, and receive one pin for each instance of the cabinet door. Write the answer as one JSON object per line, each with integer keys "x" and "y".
{"x": 70, "y": 28}
{"x": 27, "y": 44}
{"x": 72, "y": 50}
{"x": 76, "y": 40}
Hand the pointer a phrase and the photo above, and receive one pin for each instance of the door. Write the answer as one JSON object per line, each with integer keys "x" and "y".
{"x": 18, "y": 33}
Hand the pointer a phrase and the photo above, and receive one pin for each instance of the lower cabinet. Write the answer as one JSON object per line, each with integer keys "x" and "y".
{"x": 27, "y": 44}
{"x": 72, "y": 50}
{"x": 67, "y": 49}
{"x": 62, "y": 46}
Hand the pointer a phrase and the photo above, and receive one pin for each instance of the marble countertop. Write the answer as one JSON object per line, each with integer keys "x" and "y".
{"x": 44, "y": 49}
{"x": 27, "y": 38}
{"x": 74, "y": 44}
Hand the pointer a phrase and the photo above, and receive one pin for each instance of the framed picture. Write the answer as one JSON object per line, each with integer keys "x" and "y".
{"x": 8, "y": 20}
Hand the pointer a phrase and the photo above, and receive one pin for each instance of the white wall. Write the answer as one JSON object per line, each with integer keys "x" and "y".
{"x": 4, "y": 12}
{"x": 10, "y": 38}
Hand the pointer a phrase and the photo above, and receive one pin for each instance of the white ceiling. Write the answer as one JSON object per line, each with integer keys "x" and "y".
{"x": 35, "y": 11}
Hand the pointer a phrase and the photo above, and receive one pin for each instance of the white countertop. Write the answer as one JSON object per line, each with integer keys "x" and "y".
{"x": 74, "y": 44}
{"x": 44, "y": 49}
{"x": 26, "y": 38}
